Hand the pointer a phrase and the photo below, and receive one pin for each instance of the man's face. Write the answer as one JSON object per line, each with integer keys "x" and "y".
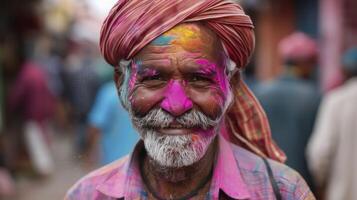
{"x": 178, "y": 92}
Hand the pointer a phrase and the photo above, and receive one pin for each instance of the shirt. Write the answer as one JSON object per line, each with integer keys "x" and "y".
{"x": 237, "y": 174}
{"x": 291, "y": 105}
{"x": 332, "y": 149}
{"x": 118, "y": 137}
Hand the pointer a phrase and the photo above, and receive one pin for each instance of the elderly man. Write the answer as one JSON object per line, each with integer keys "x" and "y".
{"x": 176, "y": 71}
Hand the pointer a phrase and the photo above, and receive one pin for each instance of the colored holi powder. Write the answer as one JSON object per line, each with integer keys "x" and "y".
{"x": 176, "y": 100}
{"x": 206, "y": 66}
{"x": 194, "y": 138}
{"x": 209, "y": 67}
{"x": 145, "y": 71}
{"x": 189, "y": 37}
{"x": 148, "y": 72}
{"x": 163, "y": 40}
{"x": 136, "y": 65}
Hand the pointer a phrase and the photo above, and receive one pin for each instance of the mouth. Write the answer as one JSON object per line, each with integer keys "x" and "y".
{"x": 177, "y": 129}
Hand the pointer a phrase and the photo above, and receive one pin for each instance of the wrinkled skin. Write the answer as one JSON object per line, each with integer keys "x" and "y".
{"x": 181, "y": 70}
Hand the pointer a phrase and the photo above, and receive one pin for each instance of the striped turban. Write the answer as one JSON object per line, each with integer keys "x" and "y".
{"x": 132, "y": 24}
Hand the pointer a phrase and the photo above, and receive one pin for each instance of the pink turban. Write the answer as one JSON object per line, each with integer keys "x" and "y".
{"x": 132, "y": 24}
{"x": 298, "y": 46}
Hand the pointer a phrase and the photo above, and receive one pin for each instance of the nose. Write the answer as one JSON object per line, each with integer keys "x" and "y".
{"x": 176, "y": 101}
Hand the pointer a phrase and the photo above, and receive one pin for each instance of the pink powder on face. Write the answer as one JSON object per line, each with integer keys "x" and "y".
{"x": 133, "y": 76}
{"x": 194, "y": 138}
{"x": 200, "y": 134}
{"x": 176, "y": 101}
{"x": 147, "y": 72}
{"x": 209, "y": 67}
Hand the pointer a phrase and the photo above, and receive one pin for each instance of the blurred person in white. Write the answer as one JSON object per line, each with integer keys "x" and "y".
{"x": 331, "y": 150}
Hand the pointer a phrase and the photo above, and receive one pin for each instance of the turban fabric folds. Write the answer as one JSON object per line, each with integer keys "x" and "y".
{"x": 298, "y": 46}
{"x": 132, "y": 24}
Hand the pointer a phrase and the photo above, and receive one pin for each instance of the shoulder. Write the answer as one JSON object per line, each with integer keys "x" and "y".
{"x": 342, "y": 94}
{"x": 109, "y": 86}
{"x": 291, "y": 185}
{"x": 266, "y": 88}
{"x": 86, "y": 187}
{"x": 107, "y": 89}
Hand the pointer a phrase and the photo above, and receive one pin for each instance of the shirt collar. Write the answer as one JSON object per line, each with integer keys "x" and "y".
{"x": 226, "y": 175}
{"x": 126, "y": 181}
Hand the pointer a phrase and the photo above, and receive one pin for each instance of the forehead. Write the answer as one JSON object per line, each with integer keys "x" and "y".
{"x": 184, "y": 39}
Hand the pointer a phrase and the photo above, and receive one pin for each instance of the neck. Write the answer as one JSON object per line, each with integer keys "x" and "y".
{"x": 175, "y": 182}
{"x": 301, "y": 70}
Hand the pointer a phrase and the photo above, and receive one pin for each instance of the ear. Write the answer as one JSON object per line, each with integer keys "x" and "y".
{"x": 231, "y": 67}
{"x": 234, "y": 78}
{"x": 234, "y": 82}
{"x": 119, "y": 80}
{"x": 118, "y": 77}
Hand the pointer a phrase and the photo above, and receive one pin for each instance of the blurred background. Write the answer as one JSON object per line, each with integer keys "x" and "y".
{"x": 60, "y": 116}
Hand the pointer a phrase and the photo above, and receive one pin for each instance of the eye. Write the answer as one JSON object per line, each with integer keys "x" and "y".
{"x": 156, "y": 77}
{"x": 153, "y": 81}
{"x": 200, "y": 81}
{"x": 200, "y": 78}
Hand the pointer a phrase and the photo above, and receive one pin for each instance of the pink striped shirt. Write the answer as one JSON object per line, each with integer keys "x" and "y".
{"x": 238, "y": 174}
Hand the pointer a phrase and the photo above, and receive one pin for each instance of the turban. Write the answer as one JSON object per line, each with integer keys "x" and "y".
{"x": 298, "y": 46}
{"x": 132, "y": 24}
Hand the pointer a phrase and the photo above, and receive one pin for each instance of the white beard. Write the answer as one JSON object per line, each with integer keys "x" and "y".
{"x": 176, "y": 150}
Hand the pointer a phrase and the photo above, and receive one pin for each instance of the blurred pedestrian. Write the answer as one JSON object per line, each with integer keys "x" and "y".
{"x": 291, "y": 101}
{"x": 31, "y": 99}
{"x": 81, "y": 82}
{"x": 332, "y": 149}
{"x": 110, "y": 126}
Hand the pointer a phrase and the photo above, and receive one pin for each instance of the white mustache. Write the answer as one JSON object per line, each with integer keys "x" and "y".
{"x": 158, "y": 118}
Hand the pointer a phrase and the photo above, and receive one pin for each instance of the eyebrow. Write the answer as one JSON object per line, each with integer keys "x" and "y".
{"x": 205, "y": 72}
{"x": 148, "y": 72}
{"x": 205, "y": 67}
{"x": 146, "y": 68}
{"x": 196, "y": 69}
{"x": 209, "y": 71}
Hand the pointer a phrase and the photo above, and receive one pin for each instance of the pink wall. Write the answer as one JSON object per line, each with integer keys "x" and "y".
{"x": 331, "y": 40}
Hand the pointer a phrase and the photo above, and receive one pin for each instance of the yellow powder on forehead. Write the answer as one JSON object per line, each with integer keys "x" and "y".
{"x": 185, "y": 32}
{"x": 190, "y": 37}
